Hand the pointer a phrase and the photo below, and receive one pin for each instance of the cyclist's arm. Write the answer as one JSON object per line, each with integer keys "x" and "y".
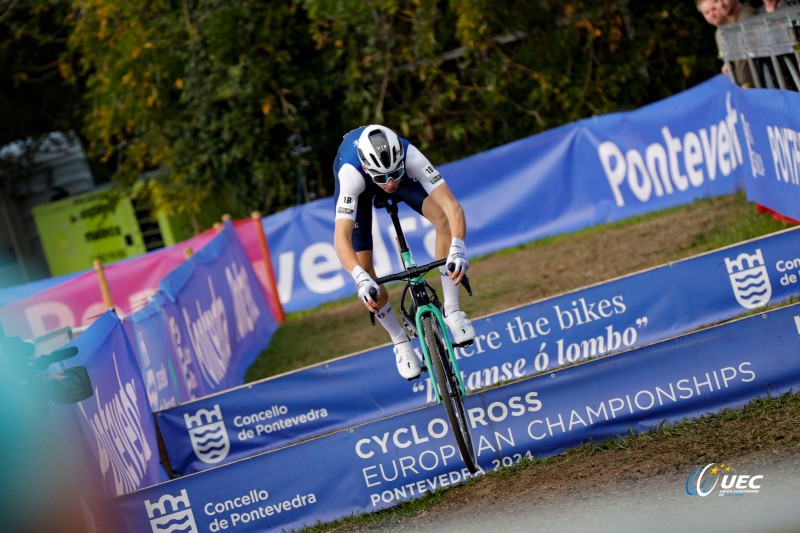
{"x": 351, "y": 185}
{"x": 343, "y": 243}
{"x": 420, "y": 169}
{"x": 458, "y": 230}
{"x": 443, "y": 196}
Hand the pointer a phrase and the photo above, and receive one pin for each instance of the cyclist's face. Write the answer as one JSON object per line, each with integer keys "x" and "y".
{"x": 390, "y": 186}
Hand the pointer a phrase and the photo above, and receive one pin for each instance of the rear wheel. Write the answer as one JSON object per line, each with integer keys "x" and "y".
{"x": 447, "y": 383}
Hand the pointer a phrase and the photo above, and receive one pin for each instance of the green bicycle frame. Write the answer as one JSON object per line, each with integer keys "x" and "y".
{"x": 429, "y": 308}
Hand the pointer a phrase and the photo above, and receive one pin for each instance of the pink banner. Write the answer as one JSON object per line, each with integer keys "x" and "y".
{"x": 78, "y": 302}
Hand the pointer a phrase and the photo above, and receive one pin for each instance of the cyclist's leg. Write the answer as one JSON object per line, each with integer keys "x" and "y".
{"x": 460, "y": 326}
{"x": 414, "y": 195}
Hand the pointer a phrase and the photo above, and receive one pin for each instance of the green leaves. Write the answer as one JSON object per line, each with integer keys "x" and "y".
{"x": 207, "y": 92}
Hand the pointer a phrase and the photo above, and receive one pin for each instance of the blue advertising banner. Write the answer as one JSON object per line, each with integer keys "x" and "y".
{"x": 116, "y": 422}
{"x": 217, "y": 318}
{"x": 771, "y": 121}
{"x": 574, "y": 327}
{"x": 593, "y": 171}
{"x": 376, "y": 465}
{"x": 169, "y": 375}
{"x": 651, "y": 160}
{"x": 273, "y": 413}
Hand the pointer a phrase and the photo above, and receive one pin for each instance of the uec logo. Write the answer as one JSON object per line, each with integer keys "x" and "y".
{"x": 703, "y": 480}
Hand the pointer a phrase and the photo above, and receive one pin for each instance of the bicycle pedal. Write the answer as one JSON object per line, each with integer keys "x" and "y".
{"x": 464, "y": 344}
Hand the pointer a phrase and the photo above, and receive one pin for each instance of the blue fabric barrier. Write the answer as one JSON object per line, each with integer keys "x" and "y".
{"x": 771, "y": 142}
{"x": 376, "y": 465}
{"x": 116, "y": 422}
{"x": 204, "y": 327}
{"x": 166, "y": 372}
{"x": 198, "y": 336}
{"x": 609, "y": 317}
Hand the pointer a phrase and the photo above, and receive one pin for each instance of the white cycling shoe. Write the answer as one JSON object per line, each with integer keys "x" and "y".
{"x": 460, "y": 327}
{"x": 406, "y": 359}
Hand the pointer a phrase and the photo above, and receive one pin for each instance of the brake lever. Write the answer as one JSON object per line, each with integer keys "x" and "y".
{"x": 464, "y": 281}
{"x": 374, "y": 295}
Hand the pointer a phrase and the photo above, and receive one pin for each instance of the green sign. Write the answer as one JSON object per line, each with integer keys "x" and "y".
{"x": 77, "y": 230}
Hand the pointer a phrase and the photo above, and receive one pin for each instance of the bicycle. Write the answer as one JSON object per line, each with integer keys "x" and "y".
{"x": 425, "y": 315}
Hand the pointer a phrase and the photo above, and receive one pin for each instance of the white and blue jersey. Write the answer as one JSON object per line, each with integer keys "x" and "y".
{"x": 355, "y": 189}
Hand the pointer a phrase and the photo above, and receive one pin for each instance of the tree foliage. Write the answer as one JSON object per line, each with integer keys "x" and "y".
{"x": 204, "y": 94}
{"x": 34, "y": 99}
{"x": 33, "y": 43}
{"x": 474, "y": 74}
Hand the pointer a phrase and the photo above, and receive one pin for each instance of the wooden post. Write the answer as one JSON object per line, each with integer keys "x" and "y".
{"x": 219, "y": 225}
{"x": 272, "y": 284}
{"x": 104, "y": 290}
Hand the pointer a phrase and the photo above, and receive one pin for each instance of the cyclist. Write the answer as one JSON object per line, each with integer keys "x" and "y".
{"x": 372, "y": 159}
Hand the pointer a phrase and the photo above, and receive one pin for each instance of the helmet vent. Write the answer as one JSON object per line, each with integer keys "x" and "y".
{"x": 379, "y": 149}
{"x": 381, "y": 145}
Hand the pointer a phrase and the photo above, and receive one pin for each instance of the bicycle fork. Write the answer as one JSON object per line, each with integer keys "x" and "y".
{"x": 437, "y": 315}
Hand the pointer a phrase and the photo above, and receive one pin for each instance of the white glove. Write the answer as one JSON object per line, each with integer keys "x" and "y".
{"x": 457, "y": 257}
{"x": 364, "y": 283}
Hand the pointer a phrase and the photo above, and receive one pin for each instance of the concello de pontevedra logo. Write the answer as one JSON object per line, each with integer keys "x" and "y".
{"x": 208, "y": 434}
{"x": 178, "y": 517}
{"x": 749, "y": 279}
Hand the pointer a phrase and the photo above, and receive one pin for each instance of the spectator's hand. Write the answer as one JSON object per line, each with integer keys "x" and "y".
{"x": 457, "y": 262}
{"x": 365, "y": 284}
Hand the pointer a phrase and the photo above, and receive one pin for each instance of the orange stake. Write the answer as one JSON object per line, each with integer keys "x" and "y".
{"x": 105, "y": 292}
{"x": 272, "y": 285}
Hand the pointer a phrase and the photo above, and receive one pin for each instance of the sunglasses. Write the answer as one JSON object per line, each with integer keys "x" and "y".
{"x": 383, "y": 179}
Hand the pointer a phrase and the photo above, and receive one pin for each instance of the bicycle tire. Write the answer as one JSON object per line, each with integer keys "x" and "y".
{"x": 447, "y": 383}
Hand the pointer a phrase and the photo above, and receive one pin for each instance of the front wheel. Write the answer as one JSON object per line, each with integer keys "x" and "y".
{"x": 449, "y": 391}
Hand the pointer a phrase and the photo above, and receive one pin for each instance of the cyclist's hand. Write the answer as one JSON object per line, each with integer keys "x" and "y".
{"x": 365, "y": 284}
{"x": 457, "y": 262}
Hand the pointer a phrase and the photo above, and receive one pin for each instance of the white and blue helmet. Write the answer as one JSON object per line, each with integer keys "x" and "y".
{"x": 381, "y": 153}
